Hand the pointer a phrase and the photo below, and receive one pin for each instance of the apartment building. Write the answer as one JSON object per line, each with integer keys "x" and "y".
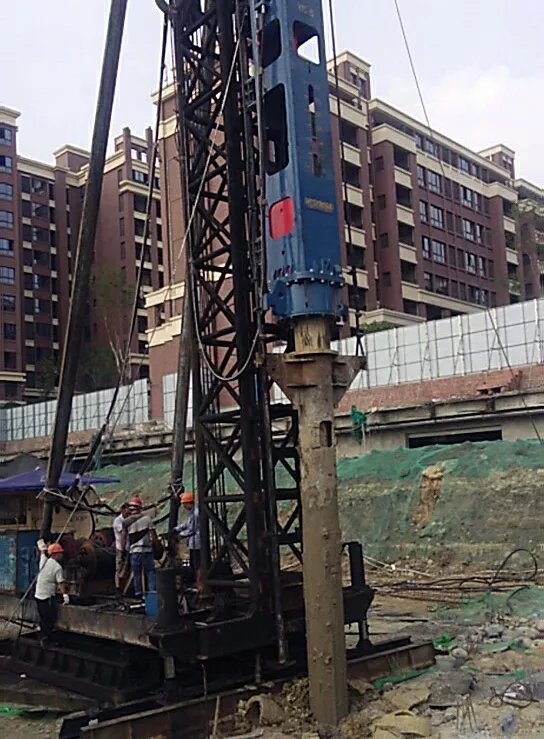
{"x": 40, "y": 213}
{"x": 428, "y": 227}
{"x": 530, "y": 226}
{"x": 446, "y": 235}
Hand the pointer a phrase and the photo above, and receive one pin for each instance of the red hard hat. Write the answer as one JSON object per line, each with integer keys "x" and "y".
{"x": 135, "y": 503}
{"x": 187, "y": 497}
{"x": 54, "y": 549}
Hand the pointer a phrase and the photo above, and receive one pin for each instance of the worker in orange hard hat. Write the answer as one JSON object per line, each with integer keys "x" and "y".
{"x": 50, "y": 577}
{"x": 191, "y": 529}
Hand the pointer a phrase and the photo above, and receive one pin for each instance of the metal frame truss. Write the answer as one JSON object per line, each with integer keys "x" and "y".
{"x": 238, "y": 455}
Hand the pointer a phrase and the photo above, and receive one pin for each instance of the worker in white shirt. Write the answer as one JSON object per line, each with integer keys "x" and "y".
{"x": 50, "y": 578}
{"x": 122, "y": 563}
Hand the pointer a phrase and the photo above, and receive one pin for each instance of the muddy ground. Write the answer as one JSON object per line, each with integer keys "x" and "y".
{"x": 488, "y": 682}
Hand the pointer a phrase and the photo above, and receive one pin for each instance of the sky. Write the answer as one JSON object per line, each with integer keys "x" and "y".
{"x": 480, "y": 64}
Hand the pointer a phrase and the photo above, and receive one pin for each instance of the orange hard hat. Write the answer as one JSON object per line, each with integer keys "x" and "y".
{"x": 187, "y": 497}
{"x": 54, "y": 549}
{"x": 135, "y": 503}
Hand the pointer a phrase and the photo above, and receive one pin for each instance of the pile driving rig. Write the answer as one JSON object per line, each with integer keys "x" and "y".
{"x": 262, "y": 267}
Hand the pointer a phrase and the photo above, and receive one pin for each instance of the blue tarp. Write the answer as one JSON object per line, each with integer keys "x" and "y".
{"x": 35, "y": 480}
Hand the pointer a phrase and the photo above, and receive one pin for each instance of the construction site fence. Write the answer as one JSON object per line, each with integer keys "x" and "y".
{"x": 496, "y": 339}
{"x": 88, "y": 413}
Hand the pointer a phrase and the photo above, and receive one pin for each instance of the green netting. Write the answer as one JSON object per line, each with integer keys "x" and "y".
{"x": 489, "y": 499}
{"x": 527, "y": 602}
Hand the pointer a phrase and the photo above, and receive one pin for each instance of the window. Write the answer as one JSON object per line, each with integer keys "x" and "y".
{"x": 482, "y": 267}
{"x": 491, "y": 268}
{"x": 449, "y": 221}
{"x": 43, "y": 330}
{"x": 39, "y": 186}
{"x": 471, "y": 263}
{"x": 123, "y": 251}
{"x": 460, "y": 259}
{"x": 41, "y": 235}
{"x": 122, "y": 226}
{"x": 420, "y": 176}
{"x": 6, "y": 247}
{"x": 428, "y": 281}
{"x": 40, "y": 211}
{"x": 25, "y": 184}
{"x": 140, "y": 177}
{"x": 426, "y": 247}
{"x": 6, "y": 191}
{"x": 159, "y": 256}
{"x": 379, "y": 164}
{"x": 6, "y": 163}
{"x": 382, "y": 202}
{"x": 10, "y": 360}
{"x": 8, "y": 303}
{"x": 431, "y": 147}
{"x": 6, "y": 219}
{"x": 480, "y": 233}
{"x": 528, "y": 289}
{"x": 41, "y": 282}
{"x": 121, "y": 203}
{"x": 41, "y": 258}
{"x": 30, "y": 354}
{"x": 159, "y": 232}
{"x": 454, "y": 289}
{"x": 439, "y": 251}
{"x": 469, "y": 230}
{"x": 451, "y": 256}
{"x": 419, "y": 140}
{"x": 139, "y": 227}
{"x": 435, "y": 181}
{"x": 158, "y": 212}
{"x": 6, "y": 136}
{"x": 386, "y": 279}
{"x": 7, "y": 275}
{"x": 436, "y": 216}
{"x": 464, "y": 165}
{"x": 462, "y": 291}
{"x": 140, "y": 203}
{"x": 423, "y": 212}
{"x": 441, "y": 285}
{"x": 42, "y": 305}
{"x": 384, "y": 240}
{"x": 10, "y": 331}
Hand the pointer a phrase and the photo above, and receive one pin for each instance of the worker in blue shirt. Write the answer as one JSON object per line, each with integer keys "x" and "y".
{"x": 191, "y": 529}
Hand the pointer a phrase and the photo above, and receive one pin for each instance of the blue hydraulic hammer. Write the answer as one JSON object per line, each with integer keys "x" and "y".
{"x": 302, "y": 234}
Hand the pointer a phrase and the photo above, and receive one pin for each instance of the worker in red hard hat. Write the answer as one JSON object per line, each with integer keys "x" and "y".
{"x": 50, "y": 579}
{"x": 139, "y": 534}
{"x": 191, "y": 529}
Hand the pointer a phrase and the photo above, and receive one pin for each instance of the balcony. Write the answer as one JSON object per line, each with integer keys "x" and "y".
{"x": 351, "y": 154}
{"x": 354, "y": 195}
{"x": 362, "y": 277}
{"x": 354, "y": 235}
{"x": 387, "y": 133}
{"x": 509, "y": 225}
{"x": 408, "y": 253}
{"x": 405, "y": 215}
{"x": 403, "y": 178}
{"x": 512, "y": 256}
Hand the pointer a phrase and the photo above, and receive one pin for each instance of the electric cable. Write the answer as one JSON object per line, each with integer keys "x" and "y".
{"x": 464, "y": 241}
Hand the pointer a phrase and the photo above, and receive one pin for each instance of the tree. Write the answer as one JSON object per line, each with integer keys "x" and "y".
{"x": 114, "y": 303}
{"x": 97, "y": 369}
{"x": 47, "y": 376}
